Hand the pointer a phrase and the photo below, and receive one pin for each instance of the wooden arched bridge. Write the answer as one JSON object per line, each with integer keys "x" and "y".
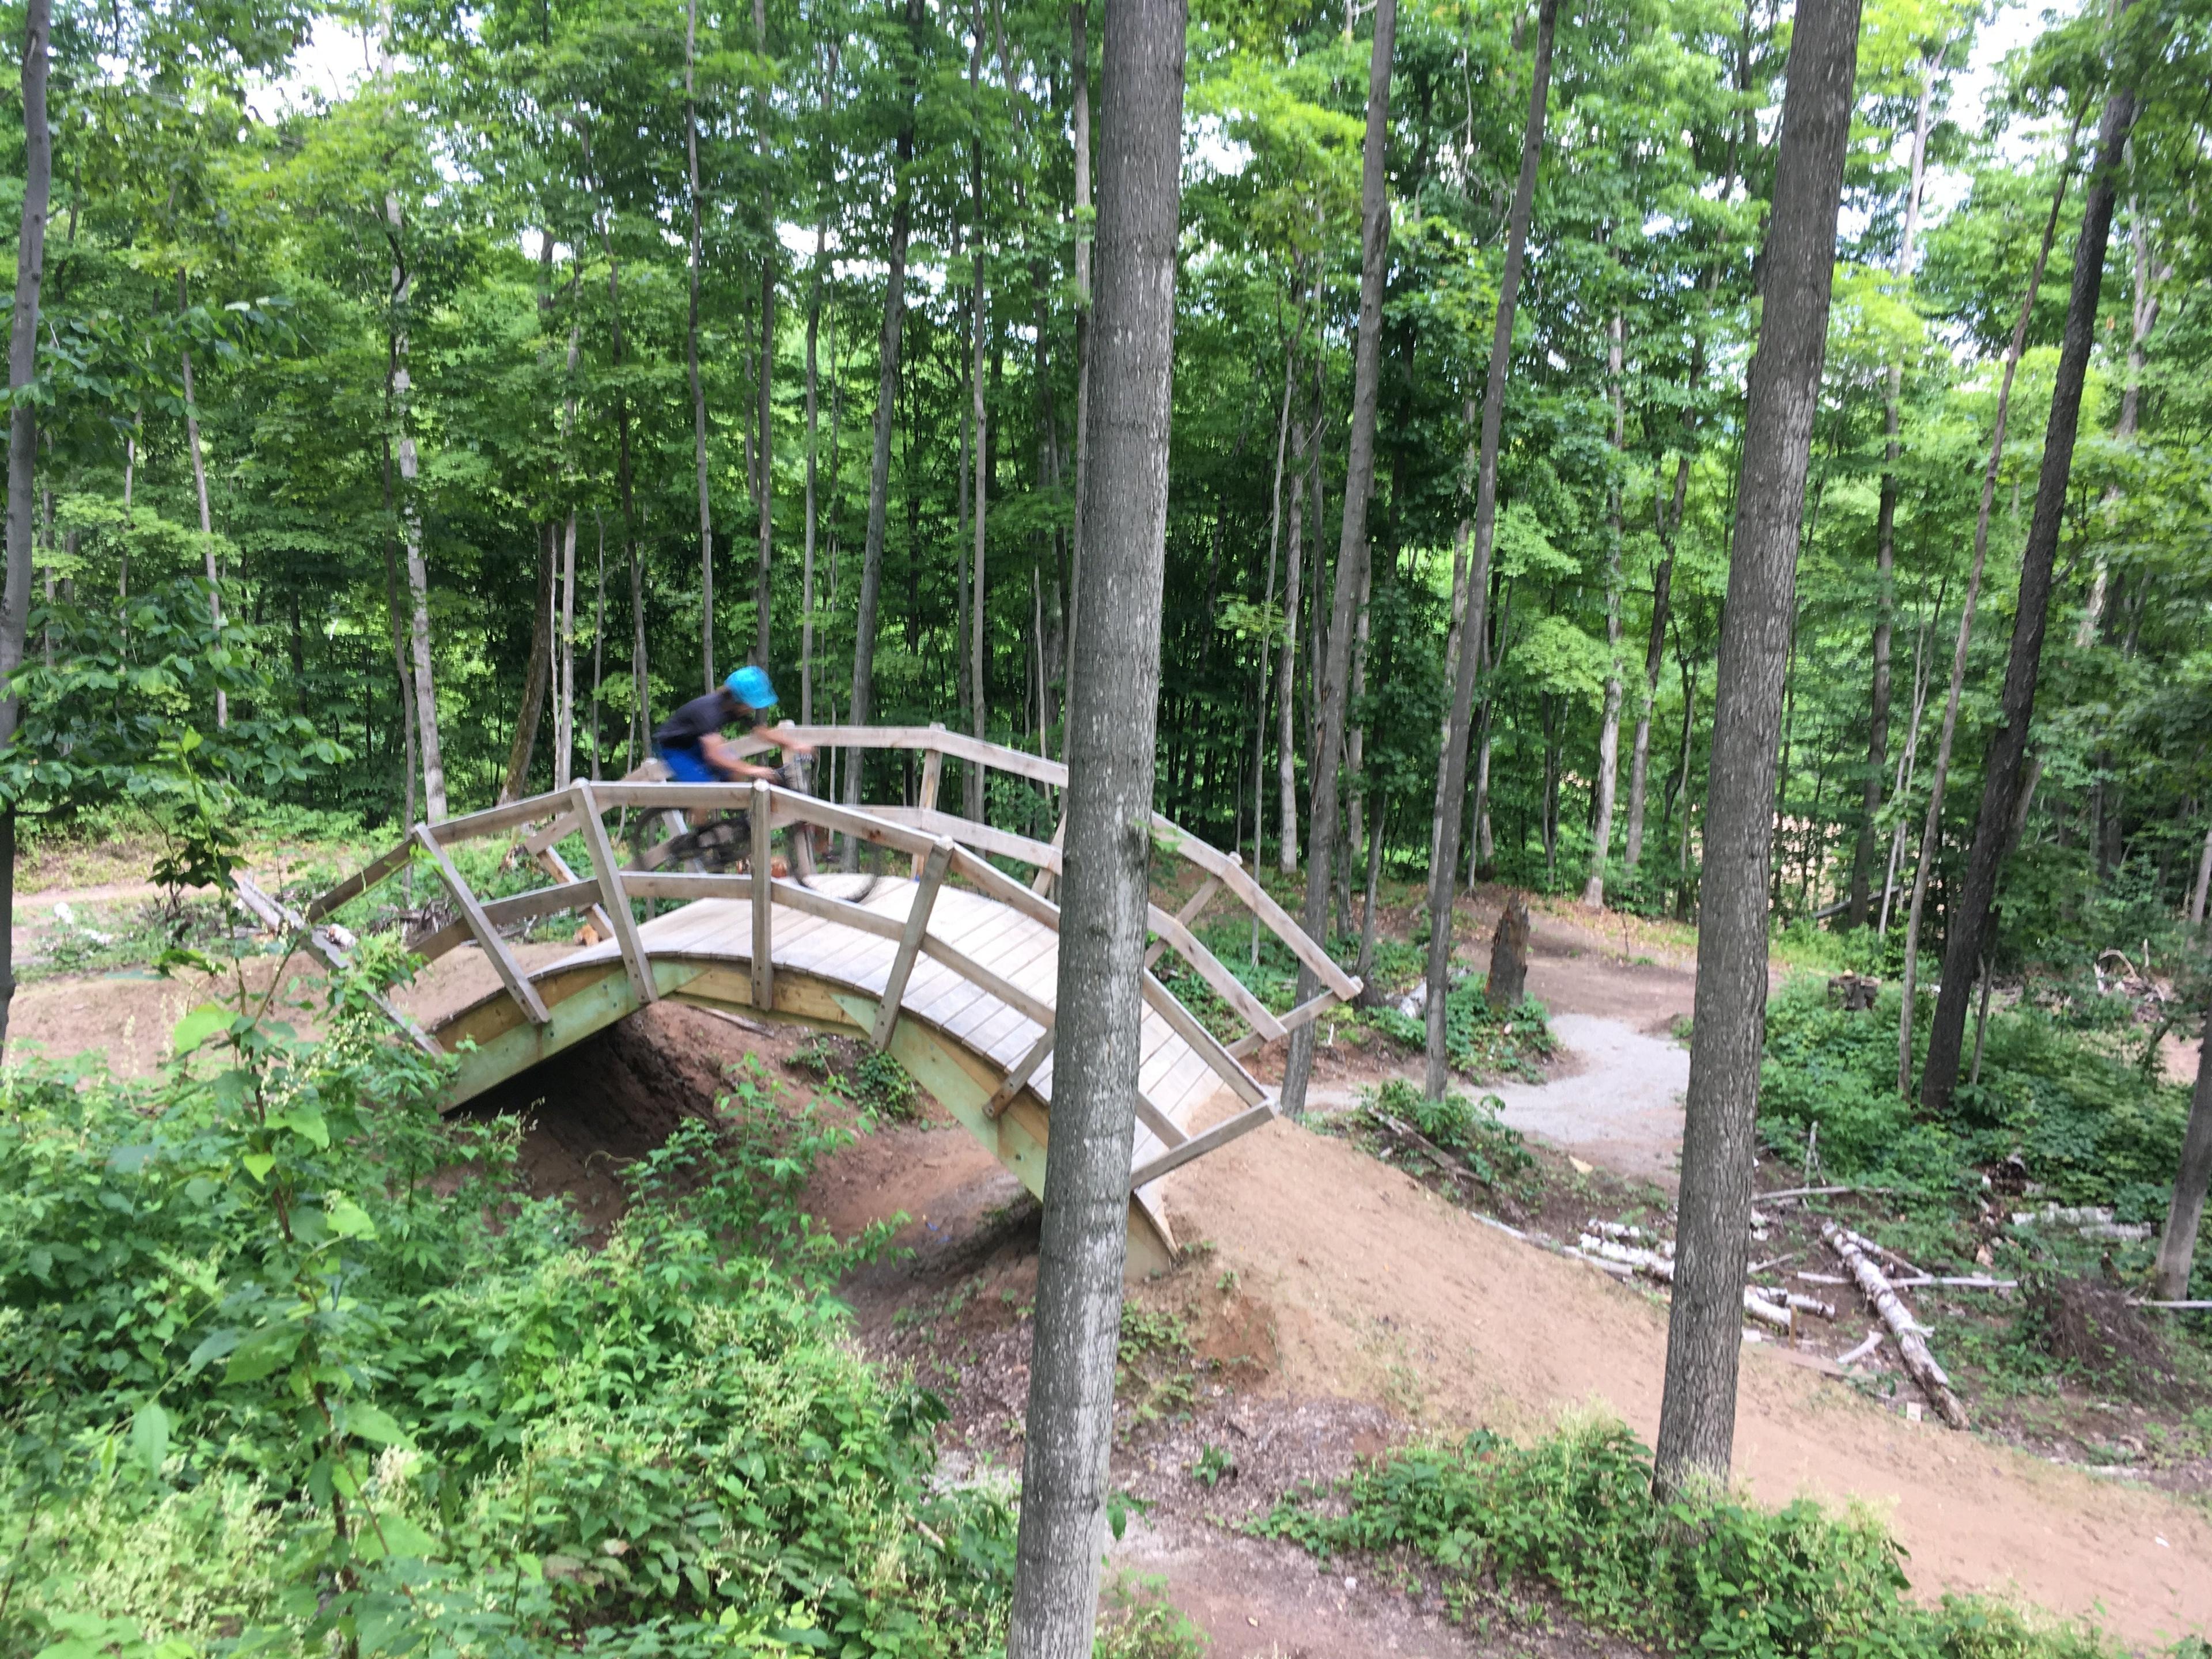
{"x": 951, "y": 966}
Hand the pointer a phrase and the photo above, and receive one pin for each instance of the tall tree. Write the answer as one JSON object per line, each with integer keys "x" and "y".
{"x": 1608, "y": 736}
{"x": 1467, "y": 659}
{"x": 863, "y": 706}
{"x": 1352, "y": 545}
{"x": 691, "y": 349}
{"x": 400, "y": 381}
{"x": 23, "y": 446}
{"x": 1112, "y": 720}
{"x": 2177, "y": 1244}
{"x": 1697, "y": 1417}
{"x": 1966, "y": 926}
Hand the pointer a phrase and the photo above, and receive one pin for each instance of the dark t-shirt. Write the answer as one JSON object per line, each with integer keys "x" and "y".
{"x": 701, "y": 717}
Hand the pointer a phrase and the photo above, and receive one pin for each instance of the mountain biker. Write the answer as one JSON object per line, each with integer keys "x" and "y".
{"x": 690, "y": 743}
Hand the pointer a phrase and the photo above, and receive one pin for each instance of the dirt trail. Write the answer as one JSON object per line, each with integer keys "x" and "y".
{"x": 1382, "y": 1292}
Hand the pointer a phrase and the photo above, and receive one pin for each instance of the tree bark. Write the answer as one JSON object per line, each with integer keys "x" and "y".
{"x": 200, "y": 488}
{"x": 2177, "y": 1246}
{"x": 1451, "y": 779}
{"x": 1966, "y": 927}
{"x": 863, "y": 707}
{"x": 1266, "y": 597}
{"x": 764, "y": 492}
{"x": 1078, "y": 53}
{"x": 972, "y": 776}
{"x": 1697, "y": 1419}
{"x": 524, "y": 746}
{"x": 1112, "y": 721}
{"x": 1608, "y": 732}
{"x": 564, "y": 696}
{"x": 1884, "y": 558}
{"x": 691, "y": 352}
{"x": 411, "y": 520}
{"x": 22, "y": 446}
{"x": 1352, "y": 546}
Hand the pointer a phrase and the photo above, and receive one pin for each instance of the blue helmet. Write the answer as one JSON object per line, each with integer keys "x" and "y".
{"x": 751, "y": 687}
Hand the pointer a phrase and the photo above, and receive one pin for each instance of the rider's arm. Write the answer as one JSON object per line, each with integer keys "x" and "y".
{"x": 722, "y": 755}
{"x": 779, "y": 736}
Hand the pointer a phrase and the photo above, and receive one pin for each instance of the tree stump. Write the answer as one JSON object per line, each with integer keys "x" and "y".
{"x": 1509, "y": 955}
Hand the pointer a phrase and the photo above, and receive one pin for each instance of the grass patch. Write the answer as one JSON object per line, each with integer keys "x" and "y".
{"x": 1572, "y": 1517}
{"x": 1482, "y": 1041}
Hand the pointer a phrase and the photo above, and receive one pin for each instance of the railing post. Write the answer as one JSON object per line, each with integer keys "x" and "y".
{"x": 495, "y": 948}
{"x": 917, "y": 924}
{"x": 612, "y": 899}
{"x": 763, "y": 903}
{"x": 932, "y": 769}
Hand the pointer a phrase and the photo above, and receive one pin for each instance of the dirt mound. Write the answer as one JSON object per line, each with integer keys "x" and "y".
{"x": 2088, "y": 1323}
{"x": 1381, "y": 1291}
{"x": 615, "y": 1097}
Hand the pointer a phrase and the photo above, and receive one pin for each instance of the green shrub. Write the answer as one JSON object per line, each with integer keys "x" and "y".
{"x": 1479, "y": 1039}
{"x": 1574, "y": 1515}
{"x": 1496, "y": 1153}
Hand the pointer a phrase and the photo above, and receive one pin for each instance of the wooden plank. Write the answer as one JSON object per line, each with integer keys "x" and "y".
{"x": 1223, "y": 983}
{"x": 983, "y": 837}
{"x": 1200, "y": 1144}
{"x": 685, "y": 884}
{"x": 548, "y": 836}
{"x": 1169, "y": 1132}
{"x": 1018, "y": 1079}
{"x": 550, "y": 859}
{"x": 1042, "y": 885}
{"x": 474, "y": 826}
{"x": 390, "y": 864}
{"x": 1185, "y": 1024}
{"x": 521, "y": 907}
{"x": 1255, "y": 898}
{"x": 510, "y": 971}
{"x": 805, "y": 899}
{"x": 613, "y": 898}
{"x": 1313, "y": 1008}
{"x": 1189, "y": 912}
{"x": 933, "y": 770}
{"x": 321, "y": 947}
{"x": 917, "y": 924}
{"x": 994, "y": 883}
{"x": 1007, "y": 992}
{"x": 763, "y": 903}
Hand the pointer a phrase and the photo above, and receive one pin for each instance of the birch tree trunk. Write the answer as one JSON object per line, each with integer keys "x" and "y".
{"x": 397, "y": 617}
{"x": 972, "y": 776}
{"x": 531, "y": 712}
{"x": 764, "y": 491}
{"x": 1266, "y": 597}
{"x": 1608, "y": 732}
{"x": 411, "y": 520}
{"x": 1451, "y": 777}
{"x": 2176, "y": 1245}
{"x": 1286, "y": 747}
{"x": 1966, "y": 926}
{"x": 691, "y": 353}
{"x": 564, "y": 706}
{"x": 22, "y": 446}
{"x": 1351, "y": 547}
{"x": 1697, "y": 1417}
{"x": 200, "y": 488}
{"x": 1855, "y": 910}
{"x": 1931, "y": 831}
{"x": 863, "y": 706}
{"x": 1112, "y": 720}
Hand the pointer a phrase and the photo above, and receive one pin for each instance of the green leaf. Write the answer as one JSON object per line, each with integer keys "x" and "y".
{"x": 370, "y": 1422}
{"x": 391, "y": 1534}
{"x": 149, "y": 1436}
{"x": 196, "y": 1027}
{"x": 270, "y": 1346}
{"x": 347, "y": 1218}
{"x": 304, "y": 1120}
{"x": 258, "y": 1165}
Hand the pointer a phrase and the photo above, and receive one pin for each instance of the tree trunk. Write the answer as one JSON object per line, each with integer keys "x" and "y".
{"x": 1451, "y": 779}
{"x": 1697, "y": 1419}
{"x": 1609, "y": 733}
{"x": 1267, "y": 599}
{"x": 411, "y": 520}
{"x": 2197, "y": 893}
{"x": 1078, "y": 53}
{"x": 1931, "y": 831}
{"x": 23, "y": 446}
{"x": 1286, "y": 745}
{"x": 1855, "y": 911}
{"x": 199, "y": 487}
{"x": 1352, "y": 546}
{"x": 1112, "y": 721}
{"x": 972, "y": 776}
{"x": 806, "y": 556}
{"x": 1355, "y": 732}
{"x": 2177, "y": 1246}
{"x": 564, "y": 700}
{"x": 691, "y": 354}
{"x": 764, "y": 492}
{"x": 863, "y": 707}
{"x": 520, "y": 751}
{"x": 1966, "y": 924}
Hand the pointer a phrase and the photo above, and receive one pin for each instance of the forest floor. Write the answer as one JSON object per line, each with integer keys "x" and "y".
{"x": 1332, "y": 1304}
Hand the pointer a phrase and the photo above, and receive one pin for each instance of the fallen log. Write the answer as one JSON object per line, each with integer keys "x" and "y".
{"x": 1872, "y": 1342}
{"x": 1627, "y": 1233}
{"x": 1756, "y": 1303}
{"x": 1808, "y": 1304}
{"x": 1911, "y": 1344}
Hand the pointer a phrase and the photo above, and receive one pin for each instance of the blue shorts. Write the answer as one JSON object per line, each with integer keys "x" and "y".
{"x": 689, "y": 766}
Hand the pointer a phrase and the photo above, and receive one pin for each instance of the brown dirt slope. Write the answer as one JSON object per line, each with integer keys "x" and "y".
{"x": 1382, "y": 1292}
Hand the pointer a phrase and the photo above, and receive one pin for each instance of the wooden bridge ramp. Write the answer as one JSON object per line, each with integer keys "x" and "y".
{"x": 950, "y": 964}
